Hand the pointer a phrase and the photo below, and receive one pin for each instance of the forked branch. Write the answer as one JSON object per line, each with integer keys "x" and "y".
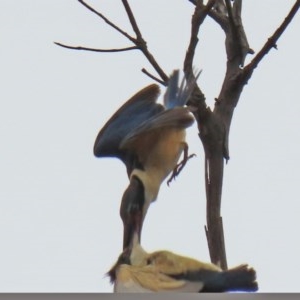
{"x": 271, "y": 43}
{"x": 114, "y": 26}
{"x": 214, "y": 126}
{"x": 138, "y": 41}
{"x": 94, "y": 49}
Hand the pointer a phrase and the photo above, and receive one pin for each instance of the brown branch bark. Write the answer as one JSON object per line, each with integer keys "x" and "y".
{"x": 95, "y": 49}
{"x": 153, "y": 77}
{"x": 214, "y": 126}
{"x": 215, "y": 139}
{"x": 138, "y": 40}
{"x": 211, "y": 133}
{"x": 107, "y": 20}
{"x": 141, "y": 43}
{"x": 132, "y": 19}
{"x": 271, "y": 43}
{"x": 198, "y": 17}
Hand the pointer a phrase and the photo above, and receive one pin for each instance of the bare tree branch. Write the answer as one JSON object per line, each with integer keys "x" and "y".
{"x": 232, "y": 87}
{"x": 211, "y": 133}
{"x": 215, "y": 15}
{"x": 141, "y": 43}
{"x": 107, "y": 21}
{"x": 138, "y": 41}
{"x": 199, "y": 15}
{"x": 132, "y": 19}
{"x": 216, "y": 132}
{"x": 271, "y": 43}
{"x": 229, "y": 12}
{"x": 198, "y": 98}
{"x": 94, "y": 49}
{"x": 153, "y": 77}
{"x": 214, "y": 126}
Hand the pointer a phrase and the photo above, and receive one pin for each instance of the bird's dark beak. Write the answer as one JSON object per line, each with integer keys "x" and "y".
{"x": 131, "y": 212}
{"x": 131, "y": 230}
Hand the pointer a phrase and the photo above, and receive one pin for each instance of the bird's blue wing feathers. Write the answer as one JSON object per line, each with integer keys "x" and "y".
{"x": 135, "y": 111}
{"x": 178, "y": 117}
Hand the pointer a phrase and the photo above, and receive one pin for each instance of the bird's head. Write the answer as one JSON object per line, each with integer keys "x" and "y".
{"x": 134, "y": 255}
{"x": 132, "y": 212}
{"x": 124, "y": 258}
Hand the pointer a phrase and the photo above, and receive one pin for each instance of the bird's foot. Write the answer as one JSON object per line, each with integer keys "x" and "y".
{"x": 179, "y": 168}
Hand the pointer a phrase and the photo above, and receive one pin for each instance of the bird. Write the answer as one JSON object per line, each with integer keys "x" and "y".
{"x": 165, "y": 271}
{"x": 149, "y": 139}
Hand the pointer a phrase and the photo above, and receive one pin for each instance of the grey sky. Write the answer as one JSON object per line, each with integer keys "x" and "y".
{"x": 59, "y": 206}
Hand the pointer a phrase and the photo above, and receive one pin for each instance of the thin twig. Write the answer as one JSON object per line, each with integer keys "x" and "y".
{"x": 107, "y": 20}
{"x": 141, "y": 43}
{"x": 96, "y": 50}
{"x": 155, "y": 65}
{"x": 197, "y": 98}
{"x": 132, "y": 19}
{"x": 271, "y": 43}
{"x": 199, "y": 15}
{"x": 138, "y": 41}
{"x": 153, "y": 77}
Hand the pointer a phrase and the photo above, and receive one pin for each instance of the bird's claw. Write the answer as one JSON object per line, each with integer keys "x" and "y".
{"x": 179, "y": 168}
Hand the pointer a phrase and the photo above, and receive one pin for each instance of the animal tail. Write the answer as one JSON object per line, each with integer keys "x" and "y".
{"x": 178, "y": 95}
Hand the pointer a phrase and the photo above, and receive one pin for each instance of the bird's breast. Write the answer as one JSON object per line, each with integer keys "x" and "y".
{"x": 165, "y": 153}
{"x": 159, "y": 161}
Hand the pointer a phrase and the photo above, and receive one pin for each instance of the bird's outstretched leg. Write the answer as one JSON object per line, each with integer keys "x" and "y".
{"x": 178, "y": 168}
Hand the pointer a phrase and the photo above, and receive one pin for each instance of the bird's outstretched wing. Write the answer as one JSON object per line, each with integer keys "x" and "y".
{"x": 129, "y": 116}
{"x": 154, "y": 128}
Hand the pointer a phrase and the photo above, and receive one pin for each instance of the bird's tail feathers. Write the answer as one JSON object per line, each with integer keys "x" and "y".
{"x": 178, "y": 95}
{"x": 239, "y": 279}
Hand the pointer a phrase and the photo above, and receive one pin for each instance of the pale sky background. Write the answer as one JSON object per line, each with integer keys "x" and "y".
{"x": 60, "y": 228}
